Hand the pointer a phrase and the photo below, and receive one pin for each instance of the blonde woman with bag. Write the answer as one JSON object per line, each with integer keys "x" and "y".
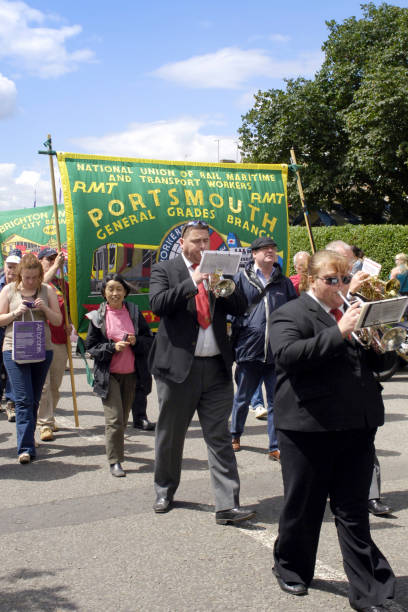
{"x": 28, "y": 294}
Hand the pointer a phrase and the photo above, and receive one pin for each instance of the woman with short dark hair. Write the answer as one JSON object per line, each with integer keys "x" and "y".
{"x": 118, "y": 340}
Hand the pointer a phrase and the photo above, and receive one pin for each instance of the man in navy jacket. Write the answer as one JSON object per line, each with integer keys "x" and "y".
{"x": 265, "y": 288}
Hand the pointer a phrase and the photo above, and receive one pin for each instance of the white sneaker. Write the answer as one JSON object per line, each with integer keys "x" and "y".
{"x": 261, "y": 412}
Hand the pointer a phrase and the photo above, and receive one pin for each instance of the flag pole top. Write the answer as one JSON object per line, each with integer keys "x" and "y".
{"x": 48, "y": 145}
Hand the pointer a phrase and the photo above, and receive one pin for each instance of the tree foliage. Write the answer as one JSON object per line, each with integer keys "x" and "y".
{"x": 349, "y": 125}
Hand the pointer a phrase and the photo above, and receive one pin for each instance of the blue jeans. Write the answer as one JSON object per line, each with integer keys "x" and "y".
{"x": 248, "y": 375}
{"x": 27, "y": 381}
{"x": 9, "y": 390}
{"x": 257, "y": 398}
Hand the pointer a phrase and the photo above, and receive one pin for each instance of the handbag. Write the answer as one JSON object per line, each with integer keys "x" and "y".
{"x": 28, "y": 341}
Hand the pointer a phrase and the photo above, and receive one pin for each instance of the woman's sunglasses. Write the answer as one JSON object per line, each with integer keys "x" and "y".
{"x": 334, "y": 280}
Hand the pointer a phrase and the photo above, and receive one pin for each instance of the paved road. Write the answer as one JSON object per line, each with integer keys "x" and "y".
{"x": 72, "y": 537}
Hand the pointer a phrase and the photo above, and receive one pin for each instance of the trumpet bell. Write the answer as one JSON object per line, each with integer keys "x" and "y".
{"x": 392, "y": 339}
{"x": 224, "y": 288}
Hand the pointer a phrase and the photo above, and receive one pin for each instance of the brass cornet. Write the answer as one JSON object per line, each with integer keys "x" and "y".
{"x": 374, "y": 289}
{"x": 220, "y": 286}
{"x": 382, "y": 338}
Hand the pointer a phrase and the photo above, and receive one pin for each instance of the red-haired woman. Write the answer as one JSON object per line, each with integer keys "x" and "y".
{"x": 27, "y": 379}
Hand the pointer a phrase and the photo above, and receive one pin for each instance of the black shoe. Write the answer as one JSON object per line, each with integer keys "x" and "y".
{"x": 144, "y": 424}
{"x": 117, "y": 470}
{"x": 233, "y": 516}
{"x": 372, "y": 609}
{"x": 162, "y": 505}
{"x": 294, "y": 588}
{"x": 375, "y": 506}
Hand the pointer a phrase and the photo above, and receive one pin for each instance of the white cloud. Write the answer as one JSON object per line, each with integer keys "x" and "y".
{"x": 8, "y": 95}
{"x": 276, "y": 37}
{"x": 231, "y": 68}
{"x": 17, "y": 190}
{"x": 30, "y": 45}
{"x": 247, "y": 100}
{"x": 180, "y": 139}
{"x": 279, "y": 38}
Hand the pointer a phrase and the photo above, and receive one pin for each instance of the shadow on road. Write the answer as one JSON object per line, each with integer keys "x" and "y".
{"x": 44, "y": 471}
{"x": 15, "y": 598}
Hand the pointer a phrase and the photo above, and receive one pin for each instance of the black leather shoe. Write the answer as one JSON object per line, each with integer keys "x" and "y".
{"x": 144, "y": 424}
{"x": 372, "y": 609}
{"x": 117, "y": 470}
{"x": 375, "y": 506}
{"x": 162, "y": 505}
{"x": 294, "y": 588}
{"x": 233, "y": 516}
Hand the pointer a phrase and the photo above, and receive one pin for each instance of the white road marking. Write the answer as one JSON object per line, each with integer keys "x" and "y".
{"x": 322, "y": 572}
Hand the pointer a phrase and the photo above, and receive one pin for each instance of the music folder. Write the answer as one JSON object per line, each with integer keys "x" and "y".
{"x": 226, "y": 262}
{"x": 382, "y": 312}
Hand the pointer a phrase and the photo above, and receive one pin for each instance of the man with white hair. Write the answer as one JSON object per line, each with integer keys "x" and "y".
{"x": 301, "y": 262}
{"x": 9, "y": 276}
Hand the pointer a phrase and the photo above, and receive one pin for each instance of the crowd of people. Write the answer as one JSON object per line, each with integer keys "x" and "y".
{"x": 291, "y": 334}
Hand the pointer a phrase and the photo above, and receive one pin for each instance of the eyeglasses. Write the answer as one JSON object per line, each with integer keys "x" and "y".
{"x": 334, "y": 280}
{"x": 202, "y": 224}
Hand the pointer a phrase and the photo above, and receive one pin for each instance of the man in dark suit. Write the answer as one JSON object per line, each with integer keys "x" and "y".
{"x": 327, "y": 408}
{"x": 191, "y": 360}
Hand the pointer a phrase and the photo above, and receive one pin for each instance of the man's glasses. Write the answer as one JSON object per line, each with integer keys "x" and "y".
{"x": 202, "y": 224}
{"x": 334, "y": 280}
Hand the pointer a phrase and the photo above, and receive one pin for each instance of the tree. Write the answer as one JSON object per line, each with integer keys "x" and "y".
{"x": 349, "y": 125}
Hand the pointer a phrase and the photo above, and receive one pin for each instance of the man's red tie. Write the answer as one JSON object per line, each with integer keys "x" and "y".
{"x": 336, "y": 312}
{"x": 202, "y": 305}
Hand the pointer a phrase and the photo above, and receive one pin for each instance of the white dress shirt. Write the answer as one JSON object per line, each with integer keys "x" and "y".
{"x": 324, "y": 306}
{"x": 206, "y": 343}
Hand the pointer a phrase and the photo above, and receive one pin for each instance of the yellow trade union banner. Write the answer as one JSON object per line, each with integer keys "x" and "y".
{"x": 124, "y": 214}
{"x": 30, "y": 229}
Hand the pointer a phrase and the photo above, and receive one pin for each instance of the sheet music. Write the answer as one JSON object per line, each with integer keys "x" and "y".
{"x": 382, "y": 312}
{"x": 371, "y": 267}
{"x": 226, "y": 261}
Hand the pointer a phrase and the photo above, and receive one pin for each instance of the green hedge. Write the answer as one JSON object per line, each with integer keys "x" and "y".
{"x": 379, "y": 242}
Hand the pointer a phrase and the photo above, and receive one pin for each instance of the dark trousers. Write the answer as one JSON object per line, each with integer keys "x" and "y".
{"x": 116, "y": 407}
{"x": 208, "y": 390}
{"x": 375, "y": 486}
{"x": 338, "y": 464}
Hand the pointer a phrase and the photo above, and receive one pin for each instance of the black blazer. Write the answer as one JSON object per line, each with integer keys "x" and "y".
{"x": 324, "y": 383}
{"x": 172, "y": 298}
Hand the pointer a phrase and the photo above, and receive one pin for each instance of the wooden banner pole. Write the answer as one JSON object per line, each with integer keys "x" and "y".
{"x": 302, "y": 201}
{"x": 50, "y": 154}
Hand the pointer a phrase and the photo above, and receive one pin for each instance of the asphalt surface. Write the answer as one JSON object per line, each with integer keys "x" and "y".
{"x": 72, "y": 537}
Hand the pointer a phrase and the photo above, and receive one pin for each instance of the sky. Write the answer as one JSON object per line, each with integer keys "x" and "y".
{"x": 166, "y": 80}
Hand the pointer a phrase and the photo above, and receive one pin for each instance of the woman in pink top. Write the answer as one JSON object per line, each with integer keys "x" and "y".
{"x": 119, "y": 340}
